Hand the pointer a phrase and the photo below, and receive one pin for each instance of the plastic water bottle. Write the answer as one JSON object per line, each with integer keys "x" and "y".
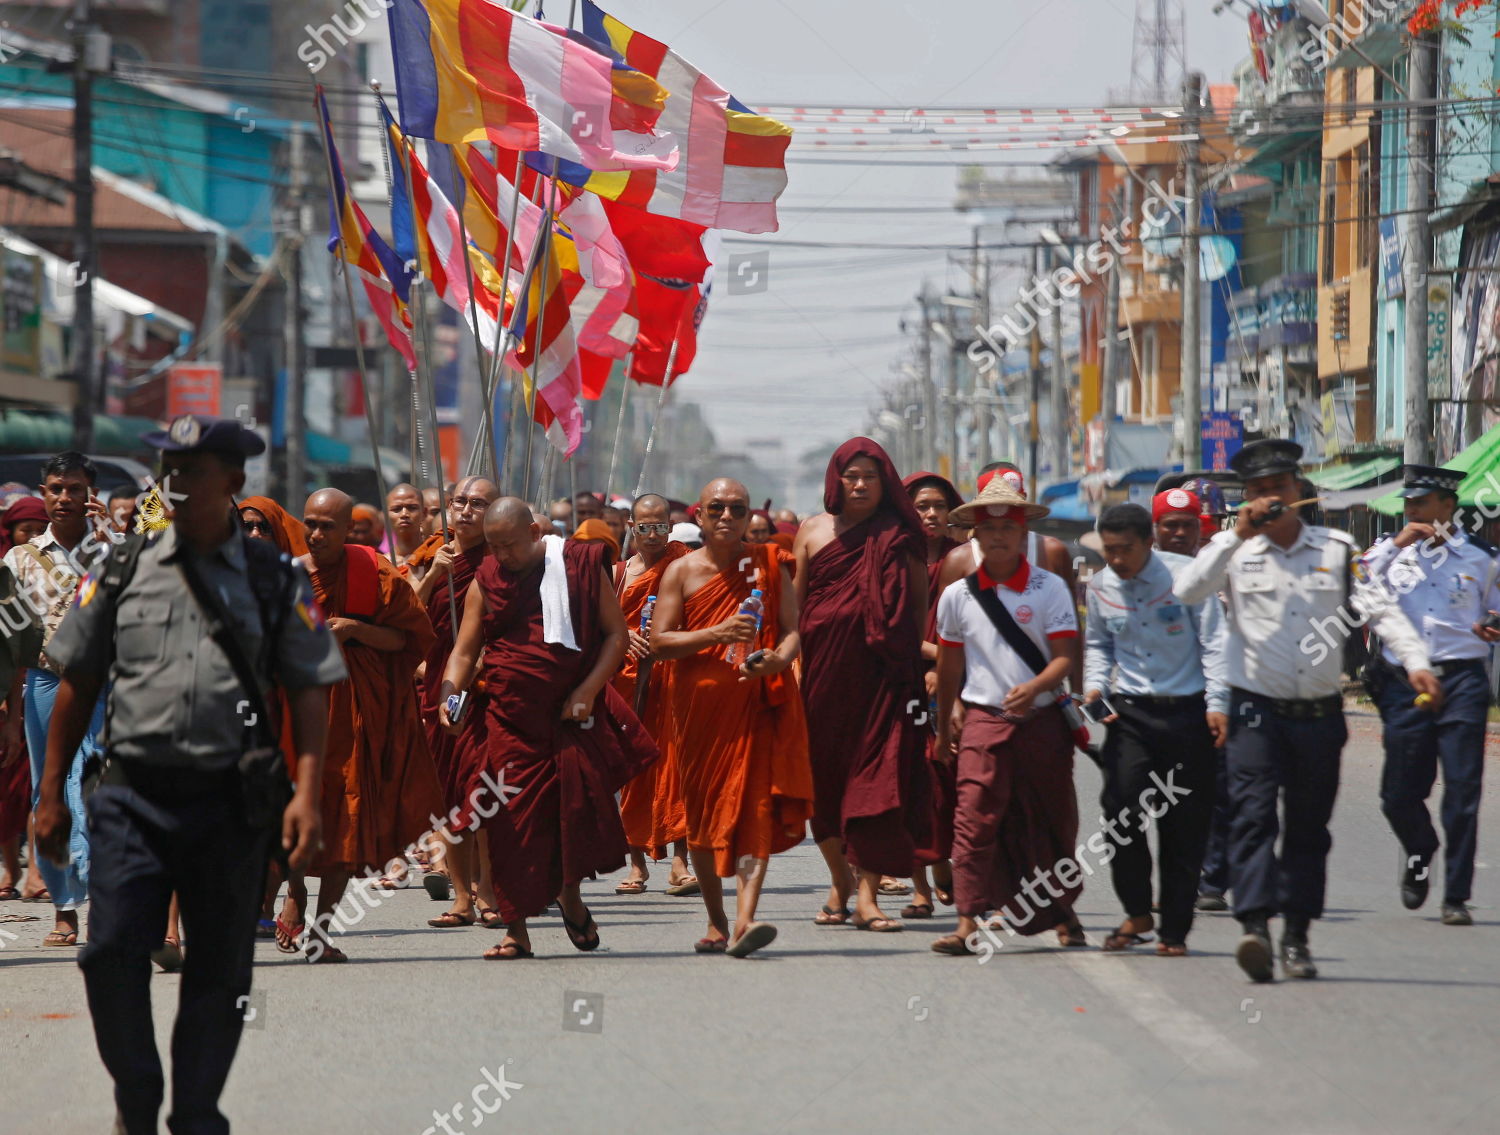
{"x": 739, "y": 651}
{"x": 646, "y": 612}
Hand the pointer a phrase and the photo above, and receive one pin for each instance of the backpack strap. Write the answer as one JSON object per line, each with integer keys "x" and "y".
{"x": 1018, "y": 639}
{"x": 362, "y": 585}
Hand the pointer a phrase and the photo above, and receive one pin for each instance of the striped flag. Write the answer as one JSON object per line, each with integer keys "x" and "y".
{"x": 474, "y": 71}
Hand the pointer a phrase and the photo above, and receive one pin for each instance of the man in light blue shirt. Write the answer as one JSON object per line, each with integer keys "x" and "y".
{"x": 1160, "y": 663}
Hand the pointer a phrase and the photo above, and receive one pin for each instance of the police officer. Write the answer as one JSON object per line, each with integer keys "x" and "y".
{"x": 169, "y": 813}
{"x": 1446, "y": 584}
{"x": 1292, "y": 599}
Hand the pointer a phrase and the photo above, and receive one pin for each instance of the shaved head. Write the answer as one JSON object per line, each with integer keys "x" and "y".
{"x": 332, "y": 500}
{"x": 481, "y": 485}
{"x": 472, "y": 498}
{"x": 651, "y": 501}
{"x": 328, "y": 516}
{"x": 403, "y": 489}
{"x": 724, "y": 513}
{"x": 514, "y": 536}
{"x": 724, "y": 488}
{"x": 407, "y": 517}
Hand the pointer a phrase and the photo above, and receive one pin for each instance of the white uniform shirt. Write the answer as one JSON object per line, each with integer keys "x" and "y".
{"x": 1442, "y": 590}
{"x": 1042, "y": 607}
{"x": 47, "y": 589}
{"x": 1288, "y": 612}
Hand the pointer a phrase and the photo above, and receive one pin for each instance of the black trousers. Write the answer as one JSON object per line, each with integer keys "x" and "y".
{"x": 144, "y": 849}
{"x": 1158, "y": 763}
{"x": 1275, "y": 759}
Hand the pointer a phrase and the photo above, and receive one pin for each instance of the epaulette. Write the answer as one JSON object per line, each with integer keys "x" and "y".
{"x": 1483, "y": 545}
{"x": 1337, "y": 534}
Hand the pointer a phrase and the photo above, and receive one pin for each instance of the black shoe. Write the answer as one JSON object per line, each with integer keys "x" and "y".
{"x": 1414, "y": 881}
{"x": 1254, "y": 953}
{"x": 1296, "y": 958}
{"x": 1211, "y": 902}
{"x": 1457, "y": 914}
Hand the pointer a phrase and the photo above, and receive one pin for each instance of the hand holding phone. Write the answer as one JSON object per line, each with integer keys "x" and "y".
{"x": 1098, "y": 709}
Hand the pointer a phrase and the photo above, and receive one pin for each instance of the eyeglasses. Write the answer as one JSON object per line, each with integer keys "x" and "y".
{"x": 654, "y": 529}
{"x": 717, "y": 508}
{"x": 860, "y": 478}
{"x": 464, "y": 504}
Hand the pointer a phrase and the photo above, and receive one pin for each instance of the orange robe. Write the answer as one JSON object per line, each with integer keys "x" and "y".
{"x": 380, "y": 790}
{"x": 651, "y": 804}
{"x": 741, "y": 747}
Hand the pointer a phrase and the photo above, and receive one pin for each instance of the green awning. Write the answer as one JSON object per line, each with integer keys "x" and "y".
{"x": 1340, "y": 477}
{"x": 1480, "y": 487}
{"x": 45, "y": 431}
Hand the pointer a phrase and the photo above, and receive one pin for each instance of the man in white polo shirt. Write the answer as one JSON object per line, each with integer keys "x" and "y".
{"x": 1007, "y": 637}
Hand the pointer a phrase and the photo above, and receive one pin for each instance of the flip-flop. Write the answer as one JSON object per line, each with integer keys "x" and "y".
{"x": 41, "y": 896}
{"x": 1072, "y": 937}
{"x": 631, "y": 887}
{"x": 755, "y": 936}
{"x": 952, "y": 945}
{"x": 168, "y": 955}
{"x": 329, "y": 955}
{"x": 830, "y": 917}
{"x": 1123, "y": 939}
{"x": 437, "y": 887}
{"x": 579, "y": 935}
{"x": 506, "y": 952}
{"x": 265, "y": 928}
{"x": 878, "y": 925}
{"x": 451, "y": 920}
{"x": 1171, "y": 949}
{"x": 292, "y": 933}
{"x": 916, "y": 910}
{"x": 686, "y": 887}
{"x": 893, "y": 887}
{"x": 710, "y": 945}
{"x": 61, "y": 938}
{"x": 490, "y": 918}
{"x": 8, "y": 894}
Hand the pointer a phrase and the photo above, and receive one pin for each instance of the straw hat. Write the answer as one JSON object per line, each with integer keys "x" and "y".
{"x": 996, "y": 499}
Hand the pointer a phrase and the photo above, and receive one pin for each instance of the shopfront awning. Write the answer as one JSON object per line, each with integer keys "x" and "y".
{"x": 1480, "y": 488}
{"x": 1337, "y": 478}
{"x": 44, "y": 431}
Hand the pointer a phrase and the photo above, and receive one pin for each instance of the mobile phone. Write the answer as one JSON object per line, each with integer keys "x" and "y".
{"x": 458, "y": 706}
{"x": 1491, "y": 621}
{"x": 1097, "y": 711}
{"x": 756, "y": 659}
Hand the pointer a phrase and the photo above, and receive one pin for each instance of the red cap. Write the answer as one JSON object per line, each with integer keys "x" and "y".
{"x": 1175, "y": 500}
{"x": 1210, "y": 526}
{"x": 1012, "y": 476}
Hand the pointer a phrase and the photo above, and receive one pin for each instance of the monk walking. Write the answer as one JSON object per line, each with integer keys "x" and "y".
{"x": 542, "y": 623}
{"x": 379, "y": 787}
{"x": 862, "y": 587}
{"x": 452, "y": 565}
{"x": 406, "y": 517}
{"x": 651, "y": 804}
{"x": 739, "y": 734}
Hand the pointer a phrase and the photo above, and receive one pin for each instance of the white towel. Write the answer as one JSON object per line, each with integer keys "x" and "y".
{"x": 557, "y": 614}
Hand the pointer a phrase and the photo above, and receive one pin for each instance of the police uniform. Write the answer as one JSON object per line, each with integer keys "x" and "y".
{"x": 1289, "y": 613}
{"x": 1444, "y": 590}
{"x": 167, "y": 814}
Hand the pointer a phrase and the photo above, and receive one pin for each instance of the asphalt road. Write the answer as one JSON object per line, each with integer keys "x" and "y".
{"x": 833, "y": 1029}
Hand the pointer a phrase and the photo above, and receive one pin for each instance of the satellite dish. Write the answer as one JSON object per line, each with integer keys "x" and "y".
{"x": 1216, "y": 256}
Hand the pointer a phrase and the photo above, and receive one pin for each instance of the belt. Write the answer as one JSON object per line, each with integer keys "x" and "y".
{"x": 168, "y": 783}
{"x": 1295, "y": 709}
{"x": 1457, "y": 666}
{"x": 1161, "y": 701}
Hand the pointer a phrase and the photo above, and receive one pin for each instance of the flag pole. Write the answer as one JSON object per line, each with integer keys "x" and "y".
{"x": 491, "y": 379}
{"x": 487, "y": 428}
{"x": 614, "y": 454}
{"x": 536, "y": 350}
{"x": 666, "y": 381}
{"x": 342, "y": 267}
{"x": 517, "y": 396}
{"x": 424, "y": 361}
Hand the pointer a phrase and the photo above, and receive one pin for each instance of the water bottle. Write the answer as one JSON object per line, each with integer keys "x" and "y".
{"x": 646, "y": 612}
{"x": 739, "y": 651}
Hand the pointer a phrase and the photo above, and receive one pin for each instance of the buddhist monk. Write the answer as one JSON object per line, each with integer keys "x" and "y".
{"x": 406, "y": 518}
{"x": 738, "y": 732}
{"x": 558, "y": 742}
{"x": 862, "y": 585}
{"x": 379, "y": 787}
{"x": 596, "y": 531}
{"x": 432, "y": 502}
{"x": 368, "y": 527}
{"x": 587, "y": 506}
{"x": 651, "y": 804}
{"x": 934, "y": 497}
{"x": 453, "y": 565}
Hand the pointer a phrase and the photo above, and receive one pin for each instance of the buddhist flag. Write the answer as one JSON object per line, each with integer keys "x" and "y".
{"x": 474, "y": 71}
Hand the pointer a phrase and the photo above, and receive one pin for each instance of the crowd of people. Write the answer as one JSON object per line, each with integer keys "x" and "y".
{"x": 505, "y": 703}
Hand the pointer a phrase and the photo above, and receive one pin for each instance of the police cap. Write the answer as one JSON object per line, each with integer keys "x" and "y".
{"x": 197, "y": 433}
{"x": 1419, "y": 480}
{"x": 1266, "y": 458}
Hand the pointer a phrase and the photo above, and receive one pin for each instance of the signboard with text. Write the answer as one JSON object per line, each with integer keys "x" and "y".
{"x": 194, "y": 388}
{"x": 1223, "y": 435}
{"x": 1439, "y": 339}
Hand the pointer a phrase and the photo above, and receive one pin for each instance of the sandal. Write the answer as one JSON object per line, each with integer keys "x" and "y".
{"x": 328, "y": 955}
{"x": 752, "y": 938}
{"x": 952, "y": 945}
{"x": 688, "y": 886}
{"x": 581, "y": 936}
{"x": 893, "y": 887}
{"x": 710, "y": 945}
{"x": 287, "y": 935}
{"x": 880, "y": 924}
{"x": 507, "y": 952}
{"x": 1171, "y": 949}
{"x": 1071, "y": 936}
{"x": 61, "y": 938}
{"x": 917, "y": 910}
{"x": 631, "y": 887}
{"x": 168, "y": 955}
{"x": 43, "y": 895}
{"x": 830, "y": 917}
{"x": 451, "y": 920}
{"x": 436, "y": 887}
{"x": 1124, "y": 939}
{"x": 265, "y": 928}
{"x": 7, "y": 894}
{"x": 490, "y": 918}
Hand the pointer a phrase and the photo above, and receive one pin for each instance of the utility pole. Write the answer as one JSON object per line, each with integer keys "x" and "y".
{"x": 1060, "y": 402}
{"x": 1190, "y": 385}
{"x": 90, "y": 53}
{"x": 1111, "y": 365}
{"x": 979, "y": 269}
{"x": 929, "y": 391}
{"x": 1036, "y": 379}
{"x": 296, "y": 400}
{"x": 1421, "y": 86}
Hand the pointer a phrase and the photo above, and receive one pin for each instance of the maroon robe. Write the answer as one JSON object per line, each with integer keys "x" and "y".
{"x": 454, "y": 756}
{"x": 942, "y": 789}
{"x": 559, "y": 824}
{"x": 862, "y": 681}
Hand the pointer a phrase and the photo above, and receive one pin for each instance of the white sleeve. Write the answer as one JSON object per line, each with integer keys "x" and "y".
{"x": 1061, "y": 619}
{"x": 949, "y": 625}
{"x": 1209, "y": 569}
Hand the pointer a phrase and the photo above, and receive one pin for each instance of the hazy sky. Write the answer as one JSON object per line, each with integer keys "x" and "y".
{"x": 801, "y": 360}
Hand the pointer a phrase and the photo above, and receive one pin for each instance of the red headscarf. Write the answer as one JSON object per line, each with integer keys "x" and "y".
{"x": 893, "y": 496}
{"x": 289, "y": 535}
{"x": 934, "y": 481}
{"x": 24, "y": 508}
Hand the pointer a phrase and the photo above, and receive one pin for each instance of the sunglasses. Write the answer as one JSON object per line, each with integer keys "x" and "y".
{"x": 654, "y": 529}
{"x": 254, "y": 526}
{"x": 718, "y": 508}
